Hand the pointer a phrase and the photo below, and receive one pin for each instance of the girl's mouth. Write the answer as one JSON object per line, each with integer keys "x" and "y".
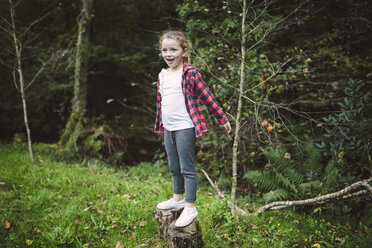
{"x": 170, "y": 60}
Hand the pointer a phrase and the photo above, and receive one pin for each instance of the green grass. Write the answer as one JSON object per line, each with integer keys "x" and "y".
{"x": 58, "y": 204}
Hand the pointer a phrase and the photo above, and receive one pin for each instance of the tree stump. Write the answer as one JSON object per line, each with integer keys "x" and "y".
{"x": 164, "y": 219}
{"x": 178, "y": 237}
{"x": 185, "y": 237}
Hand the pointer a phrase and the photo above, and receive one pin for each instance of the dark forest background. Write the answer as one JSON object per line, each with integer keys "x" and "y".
{"x": 307, "y": 103}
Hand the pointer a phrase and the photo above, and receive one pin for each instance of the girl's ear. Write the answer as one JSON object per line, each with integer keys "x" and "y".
{"x": 185, "y": 52}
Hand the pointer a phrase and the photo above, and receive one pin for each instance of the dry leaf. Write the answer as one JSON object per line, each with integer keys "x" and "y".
{"x": 133, "y": 235}
{"x": 86, "y": 209}
{"x": 2, "y": 183}
{"x": 29, "y": 242}
{"x": 127, "y": 196}
{"x": 269, "y": 127}
{"x": 264, "y": 123}
{"x": 36, "y": 230}
{"x": 287, "y": 155}
{"x": 99, "y": 211}
{"x": 119, "y": 245}
{"x": 142, "y": 223}
{"x": 6, "y": 224}
{"x": 226, "y": 235}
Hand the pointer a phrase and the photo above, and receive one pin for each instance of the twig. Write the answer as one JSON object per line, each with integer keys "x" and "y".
{"x": 221, "y": 195}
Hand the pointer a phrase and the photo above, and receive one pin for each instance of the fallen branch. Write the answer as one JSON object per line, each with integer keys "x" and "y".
{"x": 221, "y": 195}
{"x": 344, "y": 193}
{"x": 369, "y": 188}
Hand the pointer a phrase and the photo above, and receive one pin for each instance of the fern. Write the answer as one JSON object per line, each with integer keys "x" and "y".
{"x": 311, "y": 163}
{"x": 267, "y": 181}
{"x": 284, "y": 181}
{"x": 300, "y": 177}
{"x": 332, "y": 174}
{"x": 276, "y": 195}
{"x": 308, "y": 187}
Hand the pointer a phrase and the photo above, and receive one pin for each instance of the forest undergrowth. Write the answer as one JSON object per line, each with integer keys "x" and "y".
{"x": 53, "y": 203}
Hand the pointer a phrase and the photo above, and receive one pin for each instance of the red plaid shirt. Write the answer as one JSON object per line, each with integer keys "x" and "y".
{"x": 193, "y": 87}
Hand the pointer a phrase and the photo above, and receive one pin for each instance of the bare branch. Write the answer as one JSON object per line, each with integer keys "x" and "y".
{"x": 32, "y": 24}
{"x": 15, "y": 81}
{"x": 271, "y": 76}
{"x": 38, "y": 72}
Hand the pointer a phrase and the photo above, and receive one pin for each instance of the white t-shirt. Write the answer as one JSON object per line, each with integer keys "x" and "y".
{"x": 173, "y": 107}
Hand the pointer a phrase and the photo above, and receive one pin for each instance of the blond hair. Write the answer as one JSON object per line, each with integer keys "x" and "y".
{"x": 182, "y": 39}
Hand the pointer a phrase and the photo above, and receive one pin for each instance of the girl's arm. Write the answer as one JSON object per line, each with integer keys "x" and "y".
{"x": 210, "y": 101}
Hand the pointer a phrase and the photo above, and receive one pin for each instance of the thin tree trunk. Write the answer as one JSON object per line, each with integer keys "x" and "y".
{"x": 28, "y": 131}
{"x": 18, "y": 50}
{"x": 239, "y": 110}
{"x": 79, "y": 103}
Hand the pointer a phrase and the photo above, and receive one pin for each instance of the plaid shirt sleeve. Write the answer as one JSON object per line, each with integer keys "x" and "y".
{"x": 158, "y": 121}
{"x": 208, "y": 99}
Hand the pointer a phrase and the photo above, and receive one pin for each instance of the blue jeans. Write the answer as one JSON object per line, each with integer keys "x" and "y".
{"x": 180, "y": 148}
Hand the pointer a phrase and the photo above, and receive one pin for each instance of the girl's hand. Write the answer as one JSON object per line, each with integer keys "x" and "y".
{"x": 227, "y": 127}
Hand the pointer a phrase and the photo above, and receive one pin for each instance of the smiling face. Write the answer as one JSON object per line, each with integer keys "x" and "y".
{"x": 172, "y": 53}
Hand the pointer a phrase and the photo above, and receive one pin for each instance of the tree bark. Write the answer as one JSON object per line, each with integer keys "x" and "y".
{"x": 164, "y": 218}
{"x": 79, "y": 102}
{"x": 81, "y": 60}
{"x": 185, "y": 237}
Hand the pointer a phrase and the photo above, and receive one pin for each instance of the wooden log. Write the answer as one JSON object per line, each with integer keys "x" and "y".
{"x": 164, "y": 218}
{"x": 185, "y": 237}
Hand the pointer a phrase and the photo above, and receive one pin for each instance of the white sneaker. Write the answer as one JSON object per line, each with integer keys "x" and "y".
{"x": 187, "y": 216}
{"x": 171, "y": 204}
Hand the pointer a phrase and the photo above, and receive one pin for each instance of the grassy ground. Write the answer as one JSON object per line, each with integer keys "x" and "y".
{"x": 57, "y": 204}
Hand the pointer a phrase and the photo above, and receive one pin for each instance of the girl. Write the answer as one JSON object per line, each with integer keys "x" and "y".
{"x": 179, "y": 117}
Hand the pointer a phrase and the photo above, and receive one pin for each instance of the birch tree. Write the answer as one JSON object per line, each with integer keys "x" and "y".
{"x": 230, "y": 37}
{"x": 239, "y": 110}
{"x": 18, "y": 44}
